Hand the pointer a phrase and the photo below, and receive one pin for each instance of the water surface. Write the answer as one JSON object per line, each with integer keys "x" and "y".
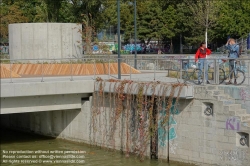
{"x": 18, "y": 141}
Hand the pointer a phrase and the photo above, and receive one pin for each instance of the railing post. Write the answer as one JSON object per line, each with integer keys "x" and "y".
{"x": 109, "y": 69}
{"x": 248, "y": 70}
{"x": 154, "y": 69}
{"x": 85, "y": 65}
{"x": 217, "y": 72}
{"x": 157, "y": 61}
{"x": 94, "y": 69}
{"x": 180, "y": 69}
{"x": 130, "y": 72}
{"x": 204, "y": 71}
{"x": 214, "y": 73}
{"x": 141, "y": 62}
{"x": 11, "y": 73}
{"x": 42, "y": 71}
{"x": 71, "y": 76}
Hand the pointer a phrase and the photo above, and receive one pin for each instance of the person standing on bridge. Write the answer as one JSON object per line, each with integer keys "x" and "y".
{"x": 234, "y": 50}
{"x": 201, "y": 56}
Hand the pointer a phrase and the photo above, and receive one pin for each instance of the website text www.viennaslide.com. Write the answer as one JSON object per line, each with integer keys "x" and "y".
{"x": 42, "y": 157}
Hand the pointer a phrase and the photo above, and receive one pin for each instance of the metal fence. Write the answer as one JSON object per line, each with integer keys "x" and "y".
{"x": 154, "y": 67}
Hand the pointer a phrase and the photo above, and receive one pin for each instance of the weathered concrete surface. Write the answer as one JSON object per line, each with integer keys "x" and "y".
{"x": 46, "y": 88}
{"x": 44, "y": 40}
{"x": 241, "y": 94}
{"x": 212, "y": 139}
{"x": 186, "y": 92}
{"x": 44, "y": 96}
{"x": 25, "y": 104}
{"x": 198, "y": 138}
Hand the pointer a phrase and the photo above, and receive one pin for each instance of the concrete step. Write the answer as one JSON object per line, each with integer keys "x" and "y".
{"x": 237, "y": 112}
{"x": 232, "y": 107}
{"x": 212, "y": 87}
{"x": 215, "y": 92}
{"x": 223, "y": 97}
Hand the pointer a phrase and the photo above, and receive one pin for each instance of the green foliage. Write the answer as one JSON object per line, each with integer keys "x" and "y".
{"x": 10, "y": 14}
{"x": 156, "y": 19}
{"x": 233, "y": 19}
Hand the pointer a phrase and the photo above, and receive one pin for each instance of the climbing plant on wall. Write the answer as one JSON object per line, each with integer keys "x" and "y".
{"x": 132, "y": 112}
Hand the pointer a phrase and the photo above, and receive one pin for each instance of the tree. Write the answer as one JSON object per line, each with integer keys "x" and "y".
{"x": 149, "y": 21}
{"x": 41, "y": 13}
{"x": 10, "y": 14}
{"x": 66, "y": 12}
{"x": 204, "y": 13}
{"x": 53, "y": 8}
{"x": 169, "y": 20}
{"x": 233, "y": 19}
{"x": 90, "y": 8}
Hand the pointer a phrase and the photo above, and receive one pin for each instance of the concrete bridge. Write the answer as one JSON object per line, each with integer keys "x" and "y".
{"x": 57, "y": 93}
{"x": 44, "y": 96}
{"x": 61, "y": 108}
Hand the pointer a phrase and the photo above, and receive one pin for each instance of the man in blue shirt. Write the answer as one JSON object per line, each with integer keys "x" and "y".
{"x": 233, "y": 49}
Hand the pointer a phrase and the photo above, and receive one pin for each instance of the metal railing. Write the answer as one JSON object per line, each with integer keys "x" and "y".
{"x": 154, "y": 68}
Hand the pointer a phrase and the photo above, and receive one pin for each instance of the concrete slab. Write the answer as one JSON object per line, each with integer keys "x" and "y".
{"x": 46, "y": 88}
{"x": 186, "y": 92}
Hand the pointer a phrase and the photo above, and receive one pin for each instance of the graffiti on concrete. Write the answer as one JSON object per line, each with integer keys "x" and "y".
{"x": 244, "y": 94}
{"x": 174, "y": 109}
{"x": 233, "y": 123}
{"x": 172, "y": 147}
{"x": 232, "y": 155}
{"x": 131, "y": 47}
{"x": 175, "y": 57}
{"x": 163, "y": 131}
{"x": 163, "y": 136}
{"x": 246, "y": 124}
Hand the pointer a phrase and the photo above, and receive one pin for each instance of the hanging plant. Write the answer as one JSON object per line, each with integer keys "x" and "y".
{"x": 130, "y": 101}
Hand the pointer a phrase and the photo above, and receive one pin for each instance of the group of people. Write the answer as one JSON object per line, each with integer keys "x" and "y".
{"x": 202, "y": 53}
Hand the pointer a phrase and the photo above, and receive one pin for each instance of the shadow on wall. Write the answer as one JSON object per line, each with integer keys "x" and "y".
{"x": 11, "y": 136}
{"x": 47, "y": 123}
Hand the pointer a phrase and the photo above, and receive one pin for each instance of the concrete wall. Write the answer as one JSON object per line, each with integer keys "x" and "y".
{"x": 44, "y": 40}
{"x": 195, "y": 137}
{"x": 204, "y": 139}
{"x": 240, "y": 93}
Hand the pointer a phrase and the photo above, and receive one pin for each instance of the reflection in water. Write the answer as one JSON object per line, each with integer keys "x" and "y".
{"x": 17, "y": 141}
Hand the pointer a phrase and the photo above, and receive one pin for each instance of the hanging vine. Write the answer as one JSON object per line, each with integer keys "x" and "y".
{"x": 139, "y": 105}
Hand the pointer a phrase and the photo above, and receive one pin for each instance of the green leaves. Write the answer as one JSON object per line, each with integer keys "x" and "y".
{"x": 233, "y": 19}
{"x": 156, "y": 19}
{"x": 10, "y": 14}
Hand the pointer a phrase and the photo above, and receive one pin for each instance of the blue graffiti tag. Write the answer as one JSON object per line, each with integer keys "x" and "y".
{"x": 95, "y": 48}
{"x": 173, "y": 109}
{"x": 131, "y": 47}
{"x": 163, "y": 136}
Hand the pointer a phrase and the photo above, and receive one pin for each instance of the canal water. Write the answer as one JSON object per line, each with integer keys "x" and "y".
{"x": 19, "y": 148}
